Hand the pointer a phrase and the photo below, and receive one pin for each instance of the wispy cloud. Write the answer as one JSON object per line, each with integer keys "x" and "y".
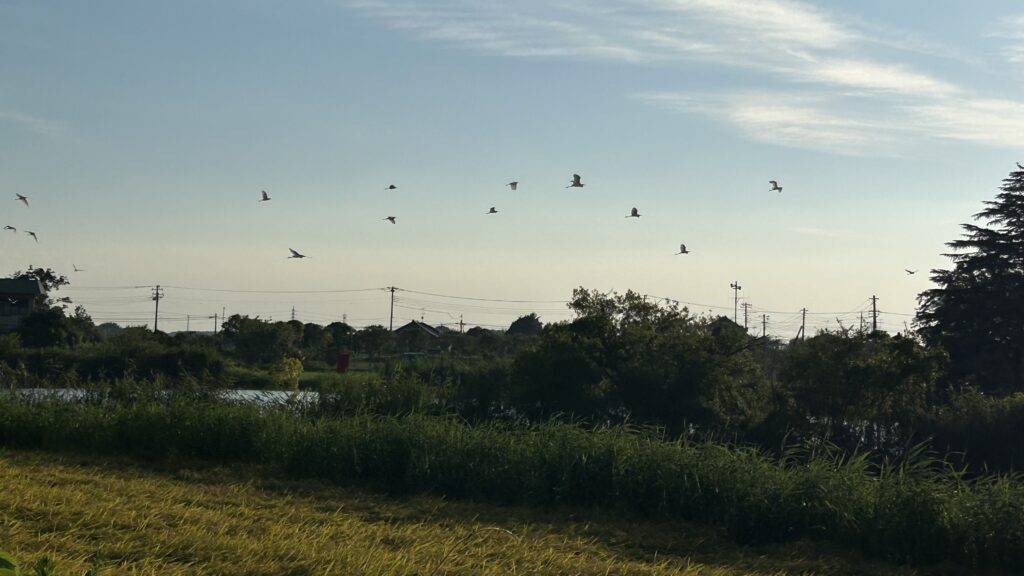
{"x": 789, "y": 119}
{"x": 1011, "y": 30}
{"x": 30, "y": 123}
{"x": 834, "y": 96}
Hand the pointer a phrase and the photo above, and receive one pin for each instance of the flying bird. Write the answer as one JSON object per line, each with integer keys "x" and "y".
{"x": 634, "y": 213}
{"x": 682, "y": 250}
{"x": 391, "y": 187}
{"x": 493, "y": 210}
{"x": 390, "y": 219}
{"x": 513, "y": 185}
{"x": 265, "y": 196}
{"x": 77, "y": 269}
{"x": 24, "y": 199}
{"x": 32, "y": 234}
{"x": 11, "y": 228}
{"x": 576, "y": 182}
{"x": 1019, "y": 166}
{"x": 908, "y": 271}
{"x": 775, "y": 186}
{"x": 296, "y": 254}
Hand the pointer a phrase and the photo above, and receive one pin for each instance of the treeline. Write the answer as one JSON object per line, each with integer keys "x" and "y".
{"x": 622, "y": 359}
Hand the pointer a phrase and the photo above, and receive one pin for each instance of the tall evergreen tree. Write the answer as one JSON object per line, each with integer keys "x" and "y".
{"x": 977, "y": 310}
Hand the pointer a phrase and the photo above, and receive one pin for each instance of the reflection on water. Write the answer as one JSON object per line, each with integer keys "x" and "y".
{"x": 262, "y": 397}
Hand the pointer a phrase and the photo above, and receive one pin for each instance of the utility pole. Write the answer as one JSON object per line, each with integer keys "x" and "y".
{"x": 874, "y": 313}
{"x": 461, "y": 324}
{"x": 188, "y": 323}
{"x": 746, "y": 312}
{"x": 735, "y": 300}
{"x": 764, "y": 325}
{"x": 391, "y": 321}
{"x": 293, "y": 313}
{"x": 861, "y": 321}
{"x": 803, "y": 323}
{"x": 157, "y": 294}
{"x": 214, "y": 323}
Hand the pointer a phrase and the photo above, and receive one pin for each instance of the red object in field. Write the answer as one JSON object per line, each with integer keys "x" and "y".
{"x": 342, "y": 362}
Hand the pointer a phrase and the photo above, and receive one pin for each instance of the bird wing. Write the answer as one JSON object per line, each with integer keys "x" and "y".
{"x": 682, "y": 248}
{"x": 294, "y": 253}
{"x": 773, "y": 183}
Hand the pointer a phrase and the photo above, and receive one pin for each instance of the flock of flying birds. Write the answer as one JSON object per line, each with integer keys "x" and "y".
{"x": 23, "y": 200}
{"x": 577, "y": 182}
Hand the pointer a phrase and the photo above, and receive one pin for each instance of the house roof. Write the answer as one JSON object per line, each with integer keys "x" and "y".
{"x": 21, "y": 286}
{"x": 413, "y": 325}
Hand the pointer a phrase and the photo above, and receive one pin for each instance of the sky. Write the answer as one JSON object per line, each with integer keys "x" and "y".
{"x": 143, "y": 132}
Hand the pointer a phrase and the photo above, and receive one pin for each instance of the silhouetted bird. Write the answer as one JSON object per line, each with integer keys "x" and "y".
{"x": 77, "y": 269}
{"x": 391, "y": 187}
{"x": 265, "y": 196}
{"x": 493, "y": 210}
{"x": 513, "y": 185}
{"x": 24, "y": 199}
{"x": 775, "y": 186}
{"x": 633, "y": 213}
{"x": 576, "y": 182}
{"x": 11, "y": 228}
{"x": 391, "y": 219}
{"x": 682, "y": 250}
{"x": 296, "y": 254}
{"x": 910, "y": 271}
{"x": 32, "y": 234}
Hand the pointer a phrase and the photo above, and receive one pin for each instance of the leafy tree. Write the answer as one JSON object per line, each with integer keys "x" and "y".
{"x": 258, "y": 342}
{"x": 528, "y": 325}
{"x": 373, "y": 340}
{"x": 51, "y": 282}
{"x": 841, "y": 380}
{"x": 49, "y": 324}
{"x": 658, "y": 363}
{"x": 977, "y": 311}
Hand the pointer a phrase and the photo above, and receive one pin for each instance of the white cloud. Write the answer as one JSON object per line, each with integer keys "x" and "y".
{"x": 834, "y": 97}
{"x": 1011, "y": 29}
{"x": 31, "y": 123}
{"x": 766, "y": 22}
{"x": 791, "y": 120}
{"x": 875, "y": 77}
{"x": 981, "y": 121}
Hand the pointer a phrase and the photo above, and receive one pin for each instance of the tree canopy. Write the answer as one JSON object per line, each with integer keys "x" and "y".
{"x": 976, "y": 312}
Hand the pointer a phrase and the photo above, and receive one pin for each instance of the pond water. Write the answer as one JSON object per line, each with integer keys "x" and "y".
{"x": 264, "y": 397}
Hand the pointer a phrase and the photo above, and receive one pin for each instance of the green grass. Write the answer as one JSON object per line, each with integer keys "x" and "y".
{"x": 905, "y": 513}
{"x": 199, "y": 520}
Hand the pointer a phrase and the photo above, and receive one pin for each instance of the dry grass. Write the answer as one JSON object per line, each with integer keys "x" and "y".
{"x": 237, "y": 521}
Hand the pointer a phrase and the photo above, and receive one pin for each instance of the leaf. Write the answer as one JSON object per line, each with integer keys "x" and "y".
{"x": 8, "y": 567}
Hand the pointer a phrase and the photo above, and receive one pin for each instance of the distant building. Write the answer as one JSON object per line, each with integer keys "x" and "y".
{"x": 418, "y": 328}
{"x": 17, "y": 300}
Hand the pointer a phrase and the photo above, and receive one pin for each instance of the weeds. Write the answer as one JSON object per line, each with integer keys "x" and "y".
{"x": 915, "y": 510}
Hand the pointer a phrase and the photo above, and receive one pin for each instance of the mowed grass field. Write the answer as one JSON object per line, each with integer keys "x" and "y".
{"x": 171, "y": 520}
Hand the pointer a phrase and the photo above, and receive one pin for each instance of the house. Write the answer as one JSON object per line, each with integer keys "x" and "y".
{"x": 415, "y": 327}
{"x": 17, "y": 299}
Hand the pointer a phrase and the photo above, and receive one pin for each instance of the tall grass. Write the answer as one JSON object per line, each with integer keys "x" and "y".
{"x": 911, "y": 511}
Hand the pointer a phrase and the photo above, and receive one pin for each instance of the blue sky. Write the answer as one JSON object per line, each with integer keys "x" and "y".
{"x": 143, "y": 132}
